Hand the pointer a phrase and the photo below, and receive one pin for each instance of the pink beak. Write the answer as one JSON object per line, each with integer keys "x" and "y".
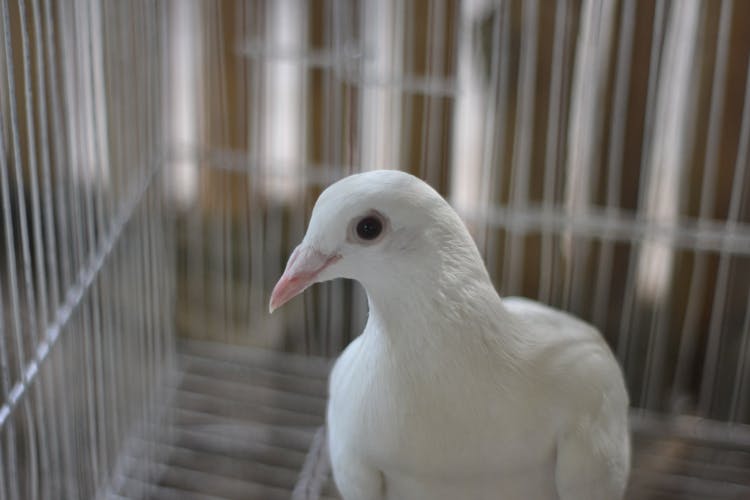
{"x": 305, "y": 264}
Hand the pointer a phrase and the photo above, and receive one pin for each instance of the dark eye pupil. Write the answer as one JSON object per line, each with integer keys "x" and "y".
{"x": 369, "y": 228}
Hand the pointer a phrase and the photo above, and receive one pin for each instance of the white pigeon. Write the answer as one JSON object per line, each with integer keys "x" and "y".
{"x": 450, "y": 392}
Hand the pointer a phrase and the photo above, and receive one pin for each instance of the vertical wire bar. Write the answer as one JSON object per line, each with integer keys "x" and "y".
{"x": 70, "y": 100}
{"x": 117, "y": 359}
{"x": 154, "y": 221}
{"x": 148, "y": 201}
{"x": 689, "y": 339}
{"x": 711, "y": 360}
{"x": 667, "y": 160}
{"x": 66, "y": 277}
{"x": 139, "y": 269}
{"x": 5, "y": 383}
{"x": 742, "y": 373}
{"x": 228, "y": 217}
{"x": 552, "y": 147}
{"x": 274, "y": 216}
{"x": 218, "y": 184}
{"x": 333, "y": 296}
{"x": 169, "y": 248}
{"x": 407, "y": 104}
{"x": 108, "y": 298}
{"x": 21, "y": 200}
{"x": 51, "y": 254}
{"x": 5, "y": 376}
{"x": 150, "y": 300}
{"x": 615, "y": 158}
{"x": 438, "y": 49}
{"x": 40, "y": 314}
{"x": 91, "y": 472}
{"x": 66, "y": 368}
{"x": 137, "y": 324}
{"x": 270, "y": 220}
{"x": 41, "y": 91}
{"x": 150, "y": 221}
{"x": 131, "y": 293}
{"x": 99, "y": 150}
{"x": 226, "y": 221}
{"x": 62, "y": 208}
{"x": 143, "y": 326}
{"x": 396, "y": 71}
{"x": 201, "y": 268}
{"x": 326, "y": 141}
{"x": 73, "y": 367}
{"x": 583, "y": 163}
{"x": 5, "y": 380}
{"x": 121, "y": 282}
{"x": 145, "y": 53}
{"x": 225, "y": 216}
{"x": 89, "y": 240}
{"x": 382, "y": 25}
{"x": 102, "y": 289}
{"x": 347, "y": 50}
{"x": 212, "y": 228}
{"x": 340, "y": 312}
{"x": 434, "y": 105}
{"x": 558, "y": 186}
{"x": 142, "y": 333}
{"x": 496, "y": 131}
{"x": 354, "y": 128}
{"x": 424, "y": 164}
{"x": 250, "y": 208}
{"x": 41, "y": 282}
{"x": 102, "y": 320}
{"x": 623, "y": 341}
{"x": 26, "y": 260}
{"x": 166, "y": 297}
{"x": 163, "y": 269}
{"x": 522, "y": 142}
{"x": 330, "y": 134}
{"x": 241, "y": 226}
{"x": 257, "y": 214}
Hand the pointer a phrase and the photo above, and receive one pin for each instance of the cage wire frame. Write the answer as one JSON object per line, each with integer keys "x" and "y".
{"x": 160, "y": 159}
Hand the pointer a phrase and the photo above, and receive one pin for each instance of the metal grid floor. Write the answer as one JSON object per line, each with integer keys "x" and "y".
{"x": 239, "y": 423}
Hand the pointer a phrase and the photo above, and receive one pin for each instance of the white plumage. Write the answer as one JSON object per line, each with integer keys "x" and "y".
{"x": 450, "y": 392}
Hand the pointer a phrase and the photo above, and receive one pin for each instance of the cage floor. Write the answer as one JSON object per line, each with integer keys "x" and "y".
{"x": 240, "y": 421}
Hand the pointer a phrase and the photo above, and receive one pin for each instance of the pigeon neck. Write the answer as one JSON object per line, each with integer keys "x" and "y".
{"x": 422, "y": 305}
{"x": 442, "y": 329}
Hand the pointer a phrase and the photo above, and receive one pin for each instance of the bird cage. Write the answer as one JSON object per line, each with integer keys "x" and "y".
{"x": 160, "y": 159}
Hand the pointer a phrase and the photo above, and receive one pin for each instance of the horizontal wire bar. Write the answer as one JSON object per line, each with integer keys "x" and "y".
{"x": 705, "y": 235}
{"x": 74, "y": 298}
{"x": 715, "y": 432}
{"x": 323, "y": 58}
{"x": 604, "y": 223}
{"x": 430, "y": 85}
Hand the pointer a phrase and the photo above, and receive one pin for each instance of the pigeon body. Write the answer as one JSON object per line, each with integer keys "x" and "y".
{"x": 452, "y": 392}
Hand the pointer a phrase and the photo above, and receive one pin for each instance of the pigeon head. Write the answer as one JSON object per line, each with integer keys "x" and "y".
{"x": 375, "y": 227}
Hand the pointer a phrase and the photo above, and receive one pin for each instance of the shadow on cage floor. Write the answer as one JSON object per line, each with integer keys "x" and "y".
{"x": 240, "y": 422}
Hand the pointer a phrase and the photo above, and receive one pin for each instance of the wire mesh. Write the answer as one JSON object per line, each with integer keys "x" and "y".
{"x": 86, "y": 322}
{"x": 160, "y": 159}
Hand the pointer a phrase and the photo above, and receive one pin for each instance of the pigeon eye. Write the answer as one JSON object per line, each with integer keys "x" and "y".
{"x": 369, "y": 227}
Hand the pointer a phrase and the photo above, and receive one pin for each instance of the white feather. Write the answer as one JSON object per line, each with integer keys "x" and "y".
{"x": 451, "y": 392}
